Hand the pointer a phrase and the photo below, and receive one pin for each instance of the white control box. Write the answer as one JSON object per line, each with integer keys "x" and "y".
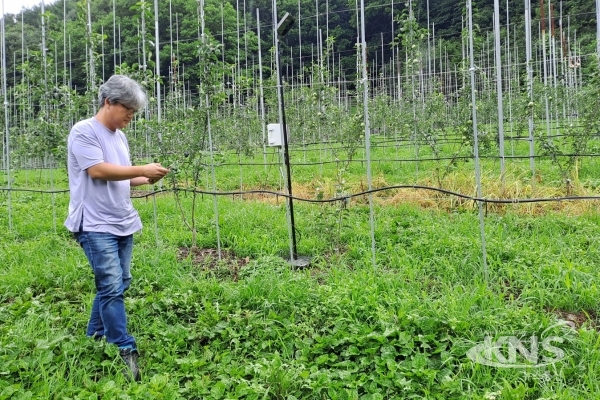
{"x": 275, "y": 135}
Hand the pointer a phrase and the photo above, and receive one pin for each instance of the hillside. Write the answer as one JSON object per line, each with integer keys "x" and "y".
{"x": 116, "y": 39}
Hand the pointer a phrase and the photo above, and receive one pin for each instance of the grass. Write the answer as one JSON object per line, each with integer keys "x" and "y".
{"x": 340, "y": 329}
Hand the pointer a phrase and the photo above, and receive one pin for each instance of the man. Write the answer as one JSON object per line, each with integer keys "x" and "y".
{"x": 101, "y": 214}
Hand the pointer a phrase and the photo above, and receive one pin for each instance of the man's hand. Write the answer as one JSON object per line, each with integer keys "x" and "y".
{"x": 154, "y": 172}
{"x": 151, "y": 173}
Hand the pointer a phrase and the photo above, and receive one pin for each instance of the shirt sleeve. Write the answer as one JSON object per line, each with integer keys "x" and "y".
{"x": 86, "y": 148}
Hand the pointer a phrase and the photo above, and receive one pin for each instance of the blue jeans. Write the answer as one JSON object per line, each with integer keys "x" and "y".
{"x": 110, "y": 259}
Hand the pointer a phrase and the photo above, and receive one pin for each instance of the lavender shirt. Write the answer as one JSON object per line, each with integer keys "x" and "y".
{"x": 104, "y": 205}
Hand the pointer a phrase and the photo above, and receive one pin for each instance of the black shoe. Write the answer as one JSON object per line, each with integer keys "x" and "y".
{"x": 130, "y": 357}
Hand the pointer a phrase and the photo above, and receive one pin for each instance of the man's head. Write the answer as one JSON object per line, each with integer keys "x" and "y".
{"x": 120, "y": 97}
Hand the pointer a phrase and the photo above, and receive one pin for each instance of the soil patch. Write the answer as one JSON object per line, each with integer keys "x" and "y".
{"x": 227, "y": 266}
{"x": 511, "y": 292}
{"x": 577, "y": 319}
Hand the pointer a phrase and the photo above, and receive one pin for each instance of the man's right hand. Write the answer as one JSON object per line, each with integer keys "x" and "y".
{"x": 154, "y": 172}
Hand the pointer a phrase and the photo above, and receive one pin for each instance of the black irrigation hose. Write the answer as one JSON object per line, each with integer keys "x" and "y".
{"x": 366, "y": 192}
{"x": 34, "y": 190}
{"x": 341, "y": 198}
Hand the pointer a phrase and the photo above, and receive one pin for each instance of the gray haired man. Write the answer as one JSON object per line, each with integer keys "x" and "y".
{"x": 101, "y": 214}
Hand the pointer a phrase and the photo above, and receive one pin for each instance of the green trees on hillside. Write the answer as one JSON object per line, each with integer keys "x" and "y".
{"x": 178, "y": 24}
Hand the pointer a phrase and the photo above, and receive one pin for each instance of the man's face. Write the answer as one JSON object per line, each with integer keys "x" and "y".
{"x": 121, "y": 115}
{"x": 127, "y": 114}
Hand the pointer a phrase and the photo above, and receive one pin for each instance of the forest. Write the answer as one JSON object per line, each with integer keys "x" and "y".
{"x": 321, "y": 27}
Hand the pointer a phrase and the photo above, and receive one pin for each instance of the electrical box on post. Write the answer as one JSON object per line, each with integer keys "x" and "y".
{"x": 275, "y": 135}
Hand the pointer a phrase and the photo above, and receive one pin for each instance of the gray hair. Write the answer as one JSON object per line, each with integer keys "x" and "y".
{"x": 122, "y": 90}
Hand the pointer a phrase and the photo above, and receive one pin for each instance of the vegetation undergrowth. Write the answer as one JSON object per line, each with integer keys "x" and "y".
{"x": 340, "y": 329}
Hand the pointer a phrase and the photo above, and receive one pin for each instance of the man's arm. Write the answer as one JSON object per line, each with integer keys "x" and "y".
{"x": 112, "y": 172}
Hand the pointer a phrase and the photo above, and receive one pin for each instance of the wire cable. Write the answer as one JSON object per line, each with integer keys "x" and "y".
{"x": 344, "y": 198}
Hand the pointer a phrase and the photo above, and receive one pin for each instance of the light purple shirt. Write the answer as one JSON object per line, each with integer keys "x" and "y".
{"x": 104, "y": 205}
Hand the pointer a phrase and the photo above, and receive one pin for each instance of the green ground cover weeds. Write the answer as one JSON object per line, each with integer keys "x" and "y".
{"x": 249, "y": 327}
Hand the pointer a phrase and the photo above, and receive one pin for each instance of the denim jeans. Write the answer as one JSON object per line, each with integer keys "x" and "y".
{"x": 110, "y": 259}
